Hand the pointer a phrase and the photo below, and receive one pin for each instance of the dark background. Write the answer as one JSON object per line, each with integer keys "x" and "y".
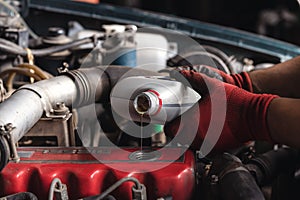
{"x": 276, "y": 18}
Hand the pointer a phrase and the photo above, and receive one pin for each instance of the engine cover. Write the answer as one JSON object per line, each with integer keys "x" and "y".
{"x": 84, "y": 175}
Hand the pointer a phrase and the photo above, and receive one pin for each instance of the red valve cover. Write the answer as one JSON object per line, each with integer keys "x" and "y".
{"x": 85, "y": 176}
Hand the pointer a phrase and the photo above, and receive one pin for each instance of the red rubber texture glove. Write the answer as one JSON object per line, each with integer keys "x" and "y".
{"x": 241, "y": 80}
{"x": 245, "y": 119}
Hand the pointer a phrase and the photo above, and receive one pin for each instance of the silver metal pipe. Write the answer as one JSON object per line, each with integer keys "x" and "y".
{"x": 27, "y": 105}
{"x": 23, "y": 110}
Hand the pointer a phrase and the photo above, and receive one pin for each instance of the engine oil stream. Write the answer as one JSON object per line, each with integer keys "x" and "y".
{"x": 141, "y": 121}
{"x": 142, "y": 106}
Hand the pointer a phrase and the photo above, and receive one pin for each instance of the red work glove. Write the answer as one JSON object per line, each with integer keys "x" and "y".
{"x": 245, "y": 118}
{"x": 241, "y": 80}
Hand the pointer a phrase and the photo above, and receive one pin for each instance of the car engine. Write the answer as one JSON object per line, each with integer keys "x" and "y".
{"x": 75, "y": 83}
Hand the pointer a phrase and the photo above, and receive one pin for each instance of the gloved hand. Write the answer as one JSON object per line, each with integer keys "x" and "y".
{"x": 241, "y": 80}
{"x": 245, "y": 117}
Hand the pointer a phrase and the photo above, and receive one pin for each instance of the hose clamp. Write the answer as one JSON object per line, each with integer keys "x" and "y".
{"x": 6, "y": 132}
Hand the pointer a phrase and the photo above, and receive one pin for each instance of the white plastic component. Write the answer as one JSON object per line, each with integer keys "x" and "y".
{"x": 152, "y": 51}
{"x": 113, "y": 28}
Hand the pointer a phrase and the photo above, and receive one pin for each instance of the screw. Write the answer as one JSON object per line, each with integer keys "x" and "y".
{"x": 248, "y": 61}
{"x": 63, "y": 68}
{"x": 60, "y": 105}
{"x": 8, "y": 127}
{"x": 61, "y": 109}
{"x": 2, "y": 129}
{"x": 56, "y": 31}
{"x": 214, "y": 179}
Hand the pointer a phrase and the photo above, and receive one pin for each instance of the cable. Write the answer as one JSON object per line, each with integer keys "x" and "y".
{"x": 22, "y": 71}
{"x": 11, "y": 48}
{"x": 20, "y": 196}
{"x": 42, "y": 74}
{"x": 59, "y": 48}
{"x": 11, "y": 73}
{"x": 36, "y": 70}
{"x": 109, "y": 197}
{"x": 52, "y": 187}
{"x": 10, "y": 44}
{"x": 115, "y": 186}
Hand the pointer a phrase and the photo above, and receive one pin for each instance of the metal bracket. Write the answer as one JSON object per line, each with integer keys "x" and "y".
{"x": 2, "y": 91}
{"x": 139, "y": 193}
{"x": 64, "y": 68}
{"x": 61, "y": 111}
{"x": 6, "y": 132}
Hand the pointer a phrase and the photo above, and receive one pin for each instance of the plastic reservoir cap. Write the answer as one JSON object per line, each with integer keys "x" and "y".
{"x": 113, "y": 28}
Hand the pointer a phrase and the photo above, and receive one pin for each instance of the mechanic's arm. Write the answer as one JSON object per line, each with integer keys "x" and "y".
{"x": 284, "y": 113}
{"x": 283, "y": 119}
{"x": 248, "y": 116}
{"x": 282, "y": 79}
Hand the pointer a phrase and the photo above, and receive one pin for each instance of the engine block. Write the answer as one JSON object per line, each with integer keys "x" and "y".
{"x": 84, "y": 175}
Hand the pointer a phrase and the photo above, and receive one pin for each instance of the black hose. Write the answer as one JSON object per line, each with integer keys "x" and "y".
{"x": 269, "y": 165}
{"x": 10, "y": 44}
{"x": 232, "y": 179}
{"x": 21, "y": 196}
{"x": 59, "y": 48}
{"x": 238, "y": 181}
{"x": 4, "y": 152}
{"x": 239, "y": 184}
{"x": 11, "y": 48}
{"x": 117, "y": 184}
{"x": 110, "y": 197}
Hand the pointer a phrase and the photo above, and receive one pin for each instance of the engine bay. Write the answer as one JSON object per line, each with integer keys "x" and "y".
{"x": 82, "y": 106}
